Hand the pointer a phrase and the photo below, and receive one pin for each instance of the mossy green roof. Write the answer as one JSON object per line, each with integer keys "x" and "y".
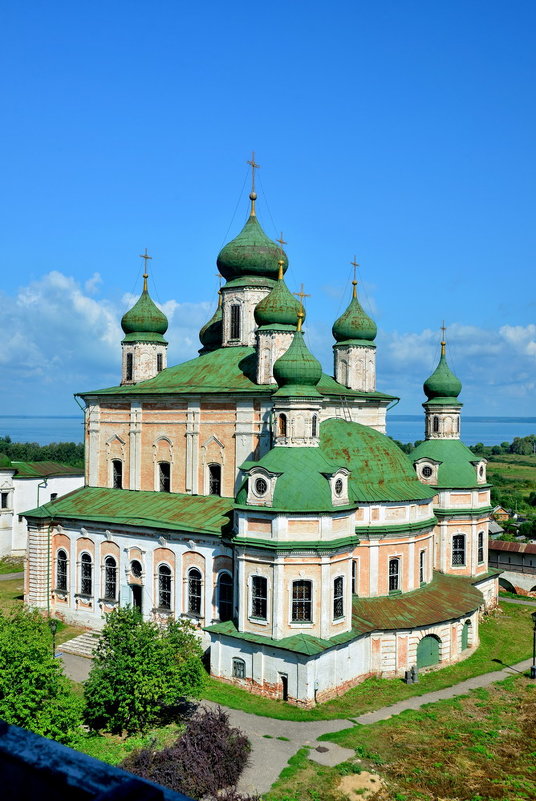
{"x": 144, "y": 318}
{"x": 251, "y": 253}
{"x": 297, "y": 371}
{"x": 279, "y": 307}
{"x": 379, "y": 470}
{"x": 442, "y": 384}
{"x": 444, "y": 598}
{"x": 456, "y": 469}
{"x": 211, "y": 334}
{"x": 222, "y": 371}
{"x": 204, "y": 514}
{"x": 354, "y": 325}
{"x": 44, "y": 469}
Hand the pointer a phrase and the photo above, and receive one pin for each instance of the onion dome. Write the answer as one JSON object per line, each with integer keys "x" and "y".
{"x": 144, "y": 320}
{"x": 279, "y": 307}
{"x": 297, "y": 372}
{"x": 251, "y": 253}
{"x": 212, "y": 332}
{"x": 442, "y": 383}
{"x": 354, "y": 325}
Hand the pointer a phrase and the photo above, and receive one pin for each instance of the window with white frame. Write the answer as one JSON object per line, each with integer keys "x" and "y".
{"x": 214, "y": 479}
{"x": 86, "y": 574}
{"x": 110, "y": 578}
{"x": 4, "y": 500}
{"x": 61, "y": 570}
{"x": 302, "y": 601}
{"x": 394, "y": 575}
{"x": 354, "y": 576}
{"x": 338, "y": 597}
{"x": 235, "y": 321}
{"x": 129, "y": 367}
{"x": 117, "y": 474}
{"x": 164, "y": 476}
{"x": 259, "y": 597}
{"x": 164, "y": 587}
{"x": 480, "y": 556}
{"x": 225, "y": 596}
{"x": 422, "y": 566}
{"x": 159, "y": 362}
{"x": 458, "y": 549}
{"x": 239, "y": 668}
{"x": 194, "y": 591}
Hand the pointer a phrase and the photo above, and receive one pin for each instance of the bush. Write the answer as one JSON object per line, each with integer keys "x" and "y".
{"x": 34, "y": 693}
{"x": 208, "y": 758}
{"x": 141, "y": 672}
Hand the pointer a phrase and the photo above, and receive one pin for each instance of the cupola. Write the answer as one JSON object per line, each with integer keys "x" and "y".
{"x": 354, "y": 325}
{"x": 279, "y": 307}
{"x": 211, "y": 334}
{"x": 442, "y": 383}
{"x": 354, "y": 353}
{"x": 144, "y": 318}
{"x": 297, "y": 372}
{"x": 442, "y": 418}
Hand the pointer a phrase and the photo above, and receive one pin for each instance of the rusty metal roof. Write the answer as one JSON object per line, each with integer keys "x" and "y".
{"x": 44, "y": 469}
{"x": 513, "y": 547}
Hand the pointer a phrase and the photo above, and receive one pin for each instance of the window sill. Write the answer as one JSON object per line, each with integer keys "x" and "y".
{"x": 162, "y": 610}
{"x": 302, "y": 624}
{"x": 337, "y": 620}
{"x": 84, "y": 596}
{"x": 259, "y": 621}
{"x": 454, "y": 567}
{"x": 63, "y": 593}
{"x": 108, "y": 601}
{"x": 395, "y": 592}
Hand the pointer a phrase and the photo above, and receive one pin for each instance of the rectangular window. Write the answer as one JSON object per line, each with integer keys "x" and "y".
{"x": 164, "y": 475}
{"x": 128, "y": 371}
{"x": 235, "y": 322}
{"x": 110, "y": 578}
{"x": 214, "y": 479}
{"x": 194, "y": 591}
{"x": 239, "y": 669}
{"x": 61, "y": 571}
{"x": 259, "y": 597}
{"x": 86, "y": 575}
{"x": 354, "y": 577}
{"x": 164, "y": 587}
{"x": 394, "y": 574}
{"x": 302, "y": 601}
{"x": 458, "y": 549}
{"x": 480, "y": 556}
{"x": 159, "y": 363}
{"x": 117, "y": 474}
{"x": 338, "y": 597}
{"x": 421, "y": 567}
{"x": 53, "y": 496}
{"x": 5, "y": 500}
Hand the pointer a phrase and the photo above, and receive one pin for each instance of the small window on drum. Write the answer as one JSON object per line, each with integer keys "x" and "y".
{"x": 427, "y": 471}
{"x": 481, "y": 471}
{"x": 135, "y": 568}
{"x": 261, "y": 486}
{"x": 435, "y": 423}
{"x": 339, "y": 486}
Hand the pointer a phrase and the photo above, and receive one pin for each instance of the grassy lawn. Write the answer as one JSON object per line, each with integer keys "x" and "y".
{"x": 12, "y": 594}
{"x": 11, "y": 565}
{"x": 477, "y": 747}
{"x": 114, "y": 749}
{"x": 505, "y": 635}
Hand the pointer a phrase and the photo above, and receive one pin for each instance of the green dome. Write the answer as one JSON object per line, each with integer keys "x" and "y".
{"x": 251, "y": 253}
{"x": 442, "y": 383}
{"x": 279, "y": 307}
{"x": 354, "y": 324}
{"x": 211, "y": 335}
{"x": 297, "y": 372}
{"x": 144, "y": 317}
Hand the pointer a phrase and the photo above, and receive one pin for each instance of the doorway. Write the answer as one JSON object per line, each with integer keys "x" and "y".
{"x": 284, "y": 686}
{"x": 136, "y": 597}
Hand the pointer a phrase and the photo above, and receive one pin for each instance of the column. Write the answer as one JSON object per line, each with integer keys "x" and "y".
{"x": 135, "y": 445}
{"x": 93, "y": 429}
{"x": 243, "y": 436}
{"x": 193, "y": 415}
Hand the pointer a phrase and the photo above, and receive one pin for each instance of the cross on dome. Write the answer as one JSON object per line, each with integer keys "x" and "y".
{"x": 253, "y": 195}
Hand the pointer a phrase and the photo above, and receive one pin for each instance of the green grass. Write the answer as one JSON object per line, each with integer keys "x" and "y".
{"x": 10, "y": 564}
{"x": 505, "y": 635}
{"x": 12, "y": 595}
{"x": 516, "y": 596}
{"x": 114, "y": 748}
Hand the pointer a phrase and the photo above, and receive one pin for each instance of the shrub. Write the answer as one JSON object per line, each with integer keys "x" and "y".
{"x": 208, "y": 758}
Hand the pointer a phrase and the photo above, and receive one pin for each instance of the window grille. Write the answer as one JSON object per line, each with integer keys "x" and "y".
{"x": 164, "y": 587}
{"x": 117, "y": 474}
{"x": 314, "y": 425}
{"x": 436, "y": 424}
{"x": 338, "y": 597}
{"x": 235, "y": 322}
{"x": 5, "y": 500}
{"x": 480, "y": 547}
{"x": 354, "y": 577}
{"x": 214, "y": 479}
{"x": 135, "y": 568}
{"x": 458, "y": 549}
{"x": 61, "y": 571}
{"x": 110, "y": 578}
{"x": 225, "y": 596}
{"x": 129, "y": 367}
{"x": 164, "y": 476}
{"x": 302, "y": 601}
{"x": 194, "y": 591}
{"x": 159, "y": 363}
{"x": 259, "y": 597}
{"x": 239, "y": 669}
{"x": 86, "y": 574}
{"x": 421, "y": 567}
{"x": 394, "y": 574}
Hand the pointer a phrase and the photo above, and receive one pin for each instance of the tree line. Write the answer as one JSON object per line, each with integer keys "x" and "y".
{"x": 70, "y": 453}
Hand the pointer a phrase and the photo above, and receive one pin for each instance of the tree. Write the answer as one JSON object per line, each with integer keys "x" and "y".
{"x": 141, "y": 671}
{"x": 34, "y": 693}
{"x": 208, "y": 758}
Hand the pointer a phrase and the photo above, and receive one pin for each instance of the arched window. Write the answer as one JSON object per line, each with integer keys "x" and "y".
{"x": 480, "y": 556}
{"x": 135, "y": 568}
{"x": 354, "y": 577}
{"x": 214, "y": 479}
{"x": 86, "y": 574}
{"x": 466, "y": 634}
{"x": 61, "y": 571}
{"x": 128, "y": 371}
{"x": 239, "y": 668}
{"x": 117, "y": 474}
{"x": 314, "y": 426}
{"x": 458, "y": 549}
{"x": 338, "y": 597}
{"x": 225, "y": 596}
{"x": 164, "y": 587}
{"x": 194, "y": 591}
{"x": 159, "y": 362}
{"x": 259, "y": 597}
{"x": 164, "y": 476}
{"x": 110, "y": 578}
{"x": 302, "y": 601}
{"x": 394, "y": 575}
{"x": 282, "y": 425}
{"x": 235, "y": 321}
{"x": 422, "y": 575}
{"x": 435, "y": 423}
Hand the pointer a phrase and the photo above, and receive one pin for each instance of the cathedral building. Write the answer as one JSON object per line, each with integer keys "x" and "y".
{"x": 261, "y": 498}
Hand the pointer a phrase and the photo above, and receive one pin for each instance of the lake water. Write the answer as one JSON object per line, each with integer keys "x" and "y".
{"x": 404, "y": 427}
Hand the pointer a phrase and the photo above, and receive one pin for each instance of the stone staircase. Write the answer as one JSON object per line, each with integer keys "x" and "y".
{"x": 83, "y": 645}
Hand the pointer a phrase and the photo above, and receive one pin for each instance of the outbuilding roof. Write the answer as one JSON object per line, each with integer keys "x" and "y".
{"x": 44, "y": 469}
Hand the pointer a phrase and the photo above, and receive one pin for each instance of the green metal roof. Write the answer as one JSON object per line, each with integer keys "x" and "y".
{"x": 456, "y": 470}
{"x": 297, "y": 371}
{"x": 44, "y": 469}
{"x": 144, "y": 318}
{"x": 204, "y": 514}
{"x": 279, "y": 307}
{"x": 211, "y": 335}
{"x": 251, "y": 253}
{"x": 222, "y": 371}
{"x": 442, "y": 384}
{"x": 445, "y": 598}
{"x": 354, "y": 324}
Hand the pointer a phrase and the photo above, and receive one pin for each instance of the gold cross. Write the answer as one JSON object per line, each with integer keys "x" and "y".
{"x": 281, "y": 240}
{"x": 301, "y": 294}
{"x": 443, "y": 328}
{"x": 254, "y": 166}
{"x": 355, "y": 265}
{"x": 146, "y": 258}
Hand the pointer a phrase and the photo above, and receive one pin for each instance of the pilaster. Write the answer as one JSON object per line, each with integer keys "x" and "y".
{"x": 135, "y": 444}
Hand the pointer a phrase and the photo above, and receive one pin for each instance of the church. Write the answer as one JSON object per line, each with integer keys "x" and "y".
{"x": 257, "y": 496}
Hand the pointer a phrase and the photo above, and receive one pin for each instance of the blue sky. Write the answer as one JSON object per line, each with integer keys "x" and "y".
{"x": 402, "y": 132}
